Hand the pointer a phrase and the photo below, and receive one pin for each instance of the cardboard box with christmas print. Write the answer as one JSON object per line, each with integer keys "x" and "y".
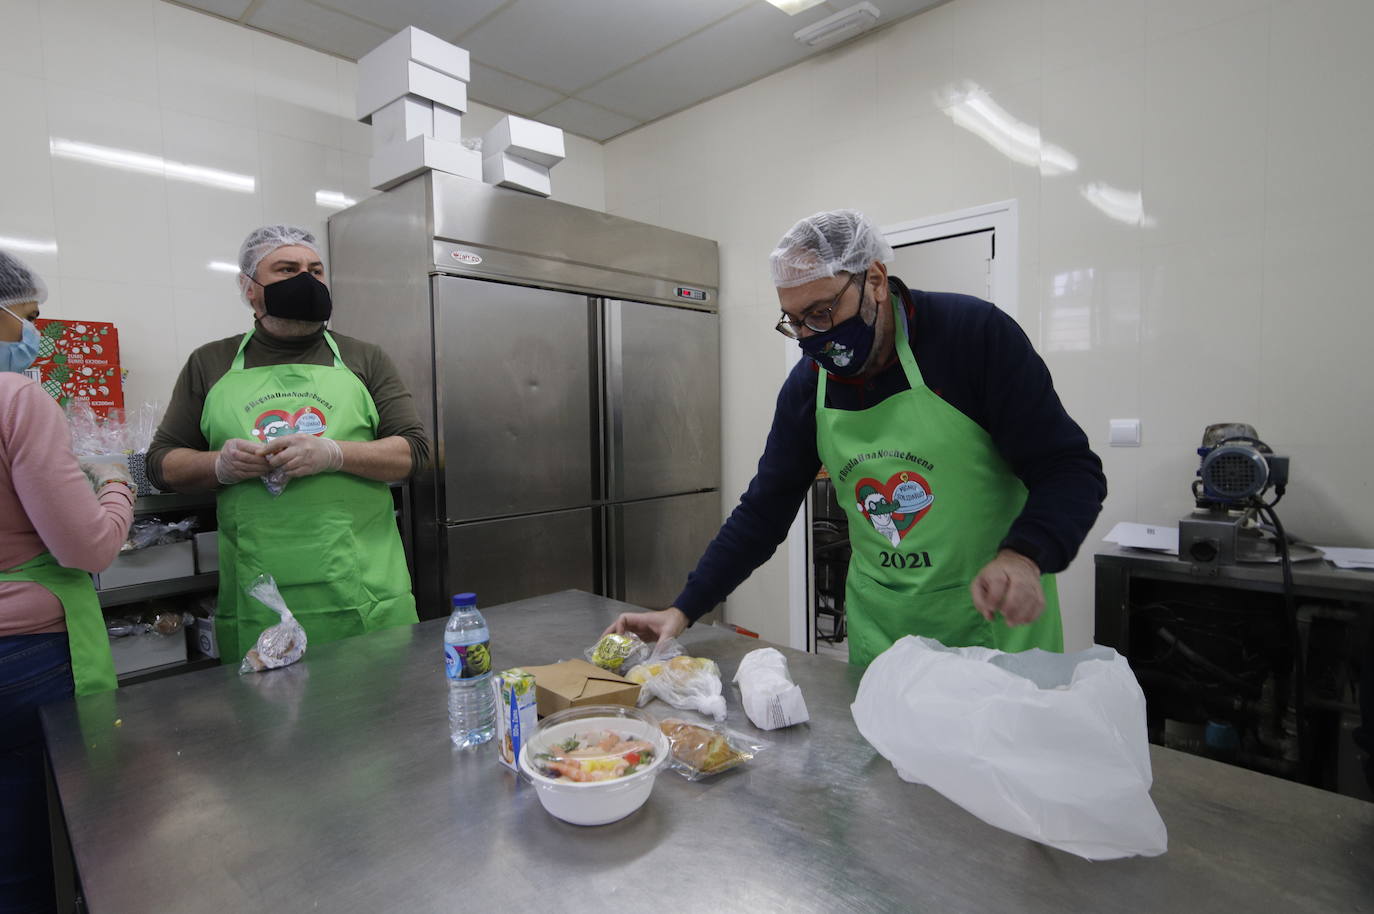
{"x": 78, "y": 362}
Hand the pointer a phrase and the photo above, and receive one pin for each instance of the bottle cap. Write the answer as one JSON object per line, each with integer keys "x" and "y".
{"x": 464, "y": 599}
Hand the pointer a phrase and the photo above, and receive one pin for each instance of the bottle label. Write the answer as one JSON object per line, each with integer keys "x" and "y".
{"x": 467, "y": 661}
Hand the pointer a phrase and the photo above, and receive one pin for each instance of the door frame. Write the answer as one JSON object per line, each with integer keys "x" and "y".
{"x": 1002, "y": 217}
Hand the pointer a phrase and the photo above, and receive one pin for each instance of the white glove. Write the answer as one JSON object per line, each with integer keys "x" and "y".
{"x": 240, "y": 459}
{"x": 304, "y": 455}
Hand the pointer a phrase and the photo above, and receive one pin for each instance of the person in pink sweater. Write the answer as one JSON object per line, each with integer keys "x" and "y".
{"x": 53, "y": 530}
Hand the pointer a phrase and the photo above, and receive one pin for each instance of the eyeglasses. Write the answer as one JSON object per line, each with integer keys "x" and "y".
{"x": 818, "y": 320}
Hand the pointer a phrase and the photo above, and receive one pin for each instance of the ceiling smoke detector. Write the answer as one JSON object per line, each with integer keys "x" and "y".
{"x": 845, "y": 24}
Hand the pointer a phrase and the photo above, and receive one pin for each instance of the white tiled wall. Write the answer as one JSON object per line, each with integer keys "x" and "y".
{"x": 162, "y": 84}
{"x": 1242, "y": 294}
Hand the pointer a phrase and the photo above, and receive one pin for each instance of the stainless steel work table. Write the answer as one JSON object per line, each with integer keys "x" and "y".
{"x": 332, "y": 786}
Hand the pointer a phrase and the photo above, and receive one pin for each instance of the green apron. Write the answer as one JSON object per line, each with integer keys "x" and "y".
{"x": 92, "y": 664}
{"x": 929, "y": 499}
{"x": 330, "y": 540}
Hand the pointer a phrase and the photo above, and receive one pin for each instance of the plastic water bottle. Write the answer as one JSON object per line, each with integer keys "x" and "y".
{"x": 467, "y": 663}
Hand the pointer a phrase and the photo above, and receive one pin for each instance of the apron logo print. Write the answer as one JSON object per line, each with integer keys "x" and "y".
{"x": 277, "y": 422}
{"x": 895, "y": 507}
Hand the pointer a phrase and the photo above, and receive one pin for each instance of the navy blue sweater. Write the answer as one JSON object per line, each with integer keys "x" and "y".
{"x": 978, "y": 359}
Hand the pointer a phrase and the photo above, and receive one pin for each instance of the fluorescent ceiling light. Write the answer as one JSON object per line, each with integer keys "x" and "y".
{"x": 972, "y": 108}
{"x": 333, "y": 199}
{"x": 845, "y": 24}
{"x": 793, "y": 7}
{"x": 1122, "y": 205}
{"x": 222, "y": 266}
{"x": 151, "y": 165}
{"x": 31, "y": 245}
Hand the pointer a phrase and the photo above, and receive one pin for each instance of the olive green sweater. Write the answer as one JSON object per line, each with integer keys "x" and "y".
{"x": 181, "y": 425}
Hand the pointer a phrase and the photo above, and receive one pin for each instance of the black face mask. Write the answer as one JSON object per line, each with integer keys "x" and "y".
{"x": 300, "y": 298}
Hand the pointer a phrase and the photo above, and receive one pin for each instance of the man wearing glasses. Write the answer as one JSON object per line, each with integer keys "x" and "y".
{"x": 966, "y": 484}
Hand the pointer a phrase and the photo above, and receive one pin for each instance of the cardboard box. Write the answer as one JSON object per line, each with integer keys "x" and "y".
{"x": 516, "y": 715}
{"x": 506, "y": 170}
{"x": 141, "y": 652}
{"x": 412, "y": 45}
{"x": 574, "y": 683}
{"x": 156, "y": 563}
{"x": 401, "y": 163}
{"x": 376, "y": 91}
{"x": 204, "y": 634}
{"x": 401, "y": 120}
{"x": 78, "y": 362}
{"x": 207, "y": 552}
{"x": 530, "y": 140}
{"x": 448, "y": 124}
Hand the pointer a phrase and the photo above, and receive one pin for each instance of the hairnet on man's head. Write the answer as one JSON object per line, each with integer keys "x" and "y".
{"x": 840, "y": 241}
{"x": 18, "y": 283}
{"x": 263, "y": 241}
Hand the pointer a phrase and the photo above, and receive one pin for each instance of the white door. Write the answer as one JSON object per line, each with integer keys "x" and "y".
{"x": 958, "y": 263}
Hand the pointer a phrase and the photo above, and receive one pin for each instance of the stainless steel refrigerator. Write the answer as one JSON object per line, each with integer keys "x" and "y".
{"x": 567, "y": 365}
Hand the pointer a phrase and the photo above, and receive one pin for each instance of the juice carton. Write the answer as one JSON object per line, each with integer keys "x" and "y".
{"x": 516, "y": 714}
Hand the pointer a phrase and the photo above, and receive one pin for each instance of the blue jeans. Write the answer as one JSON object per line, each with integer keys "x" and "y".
{"x": 34, "y": 670}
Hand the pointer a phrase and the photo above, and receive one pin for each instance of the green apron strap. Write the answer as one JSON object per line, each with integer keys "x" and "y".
{"x": 92, "y": 663}
{"x": 237, "y": 364}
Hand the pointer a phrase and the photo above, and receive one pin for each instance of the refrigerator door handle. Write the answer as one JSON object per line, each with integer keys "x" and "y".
{"x": 614, "y": 417}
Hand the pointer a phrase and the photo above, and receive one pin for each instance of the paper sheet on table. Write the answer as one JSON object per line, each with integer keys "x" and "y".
{"x": 1144, "y": 536}
{"x": 1346, "y": 557}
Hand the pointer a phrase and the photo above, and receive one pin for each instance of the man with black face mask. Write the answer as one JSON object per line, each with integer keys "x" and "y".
{"x": 298, "y": 430}
{"x": 966, "y": 484}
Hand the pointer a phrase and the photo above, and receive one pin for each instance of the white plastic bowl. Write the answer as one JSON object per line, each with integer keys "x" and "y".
{"x": 595, "y": 802}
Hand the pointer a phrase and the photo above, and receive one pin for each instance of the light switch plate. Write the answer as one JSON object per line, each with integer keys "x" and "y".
{"x": 1124, "y": 433}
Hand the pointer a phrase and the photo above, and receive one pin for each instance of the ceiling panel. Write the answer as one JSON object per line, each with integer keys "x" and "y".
{"x": 318, "y": 27}
{"x": 229, "y": 9}
{"x": 754, "y": 42}
{"x": 445, "y": 18}
{"x": 586, "y": 119}
{"x": 499, "y": 90}
{"x": 568, "y": 44}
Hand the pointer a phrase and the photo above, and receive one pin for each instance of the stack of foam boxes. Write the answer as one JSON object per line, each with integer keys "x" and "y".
{"x": 412, "y": 89}
{"x": 518, "y": 153}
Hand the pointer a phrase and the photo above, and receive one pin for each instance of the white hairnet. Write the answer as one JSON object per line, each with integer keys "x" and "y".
{"x": 18, "y": 283}
{"x": 840, "y": 241}
{"x": 263, "y": 241}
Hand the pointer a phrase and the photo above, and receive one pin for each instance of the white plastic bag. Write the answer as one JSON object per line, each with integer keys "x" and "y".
{"x": 766, "y": 690}
{"x": 279, "y": 645}
{"x": 689, "y": 683}
{"x": 1048, "y": 746}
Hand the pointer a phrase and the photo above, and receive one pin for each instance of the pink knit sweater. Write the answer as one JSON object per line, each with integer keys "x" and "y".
{"x": 46, "y": 505}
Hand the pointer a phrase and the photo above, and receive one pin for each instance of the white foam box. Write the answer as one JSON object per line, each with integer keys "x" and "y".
{"x": 156, "y": 563}
{"x": 448, "y": 124}
{"x": 527, "y": 139}
{"x": 401, "y": 120}
{"x": 379, "y": 89}
{"x": 207, "y": 552}
{"x": 141, "y": 652}
{"x": 412, "y": 44}
{"x": 506, "y": 170}
{"x": 391, "y": 166}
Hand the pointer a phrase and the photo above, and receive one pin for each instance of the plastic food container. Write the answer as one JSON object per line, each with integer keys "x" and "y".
{"x": 593, "y": 802}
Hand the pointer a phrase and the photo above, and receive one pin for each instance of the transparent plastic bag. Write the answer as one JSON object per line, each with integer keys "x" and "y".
{"x": 701, "y": 751}
{"x": 279, "y": 645}
{"x": 688, "y": 683}
{"x": 122, "y": 436}
{"x": 616, "y": 652}
{"x": 154, "y": 531}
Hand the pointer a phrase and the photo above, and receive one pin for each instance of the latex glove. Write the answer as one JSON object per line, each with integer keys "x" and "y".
{"x": 651, "y": 626}
{"x": 240, "y": 459}
{"x": 102, "y": 471}
{"x": 304, "y": 455}
{"x": 1009, "y": 584}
